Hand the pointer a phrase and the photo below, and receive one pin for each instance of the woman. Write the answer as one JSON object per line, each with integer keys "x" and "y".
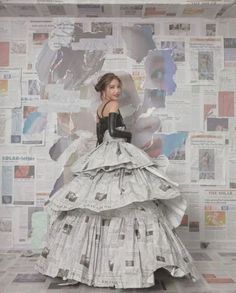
{"x": 113, "y": 224}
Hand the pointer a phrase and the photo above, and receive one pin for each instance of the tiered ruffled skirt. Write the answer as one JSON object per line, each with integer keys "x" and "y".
{"x": 112, "y": 225}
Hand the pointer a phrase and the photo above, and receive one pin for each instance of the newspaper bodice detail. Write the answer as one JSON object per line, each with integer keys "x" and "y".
{"x": 102, "y": 126}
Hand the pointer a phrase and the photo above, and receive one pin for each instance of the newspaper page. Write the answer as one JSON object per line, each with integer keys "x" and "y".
{"x": 227, "y": 81}
{"x": 207, "y": 158}
{"x": 209, "y": 96}
{"x": 10, "y": 87}
{"x": 13, "y": 45}
{"x": 196, "y": 102}
{"x": 45, "y": 179}
{"x": 167, "y": 120}
{"x": 34, "y": 124}
{"x": 30, "y": 224}
{"x": 138, "y": 76}
{"x": 131, "y": 10}
{"x": 209, "y": 11}
{"x": 219, "y": 104}
{"x": 3, "y": 118}
{"x": 190, "y": 225}
{"x": 30, "y": 86}
{"x": 24, "y": 9}
{"x": 206, "y": 59}
{"x": 18, "y": 43}
{"x": 5, "y": 121}
{"x": 179, "y": 54}
{"x": 218, "y": 219}
{"x": 163, "y": 10}
{"x": 14, "y": 131}
{"x": 232, "y": 172}
{"x": 6, "y": 227}
{"x": 5, "y": 43}
{"x": 11, "y": 121}
{"x": 173, "y": 146}
{"x": 226, "y": 27}
{"x": 179, "y": 105}
{"x": 88, "y": 10}
{"x": 231, "y": 176}
{"x": 226, "y": 104}
{"x": 18, "y": 179}
{"x": 180, "y": 28}
{"x": 25, "y": 125}
{"x": 117, "y": 61}
{"x": 38, "y": 34}
{"x": 210, "y": 28}
{"x": 58, "y": 96}
{"x": 230, "y": 52}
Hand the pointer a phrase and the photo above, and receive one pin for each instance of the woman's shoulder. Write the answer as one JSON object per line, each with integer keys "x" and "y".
{"x": 112, "y": 106}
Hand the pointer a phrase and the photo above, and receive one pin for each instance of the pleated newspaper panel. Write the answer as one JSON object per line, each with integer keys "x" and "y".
{"x": 112, "y": 225}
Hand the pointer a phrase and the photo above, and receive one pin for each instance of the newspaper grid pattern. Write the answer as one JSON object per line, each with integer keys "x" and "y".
{"x": 113, "y": 224}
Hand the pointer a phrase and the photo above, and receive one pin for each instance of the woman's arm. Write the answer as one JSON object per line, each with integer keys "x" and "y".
{"x": 112, "y": 117}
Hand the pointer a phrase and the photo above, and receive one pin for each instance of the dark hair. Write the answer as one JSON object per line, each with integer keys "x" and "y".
{"x": 105, "y": 80}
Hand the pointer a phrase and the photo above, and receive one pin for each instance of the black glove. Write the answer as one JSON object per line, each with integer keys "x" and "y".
{"x": 115, "y": 132}
{"x": 99, "y": 133}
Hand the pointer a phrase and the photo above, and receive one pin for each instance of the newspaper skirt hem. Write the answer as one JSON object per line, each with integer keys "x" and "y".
{"x": 120, "y": 248}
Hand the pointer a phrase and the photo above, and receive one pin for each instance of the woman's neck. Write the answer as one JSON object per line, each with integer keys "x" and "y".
{"x": 105, "y": 100}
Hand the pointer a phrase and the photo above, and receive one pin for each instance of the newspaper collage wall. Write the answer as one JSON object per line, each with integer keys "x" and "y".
{"x": 179, "y": 86}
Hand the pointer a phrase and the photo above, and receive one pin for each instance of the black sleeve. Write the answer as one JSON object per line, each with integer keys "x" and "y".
{"x": 116, "y": 132}
{"x": 99, "y": 130}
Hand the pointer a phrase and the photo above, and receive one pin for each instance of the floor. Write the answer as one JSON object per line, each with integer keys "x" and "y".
{"x": 217, "y": 268}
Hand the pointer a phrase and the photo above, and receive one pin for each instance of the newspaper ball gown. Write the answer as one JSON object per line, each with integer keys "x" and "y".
{"x": 114, "y": 224}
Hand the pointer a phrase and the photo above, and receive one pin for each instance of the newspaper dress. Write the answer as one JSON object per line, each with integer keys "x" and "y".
{"x": 114, "y": 224}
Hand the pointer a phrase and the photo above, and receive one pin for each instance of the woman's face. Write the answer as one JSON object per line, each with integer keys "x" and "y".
{"x": 112, "y": 90}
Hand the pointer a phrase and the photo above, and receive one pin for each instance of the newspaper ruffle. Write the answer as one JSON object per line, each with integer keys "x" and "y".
{"x": 129, "y": 175}
{"x": 112, "y": 225}
{"x": 121, "y": 248}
